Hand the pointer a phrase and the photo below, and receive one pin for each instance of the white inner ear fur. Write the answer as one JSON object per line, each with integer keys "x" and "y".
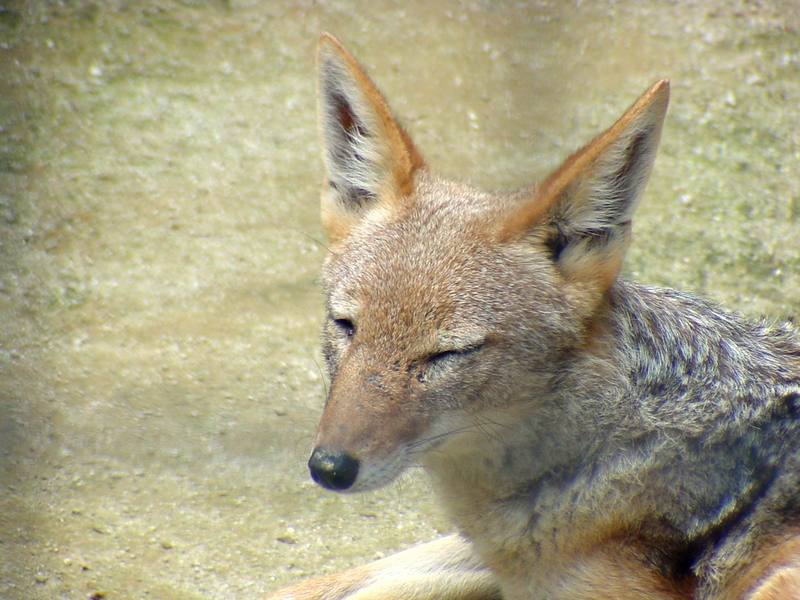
{"x": 355, "y": 157}
{"x": 607, "y": 196}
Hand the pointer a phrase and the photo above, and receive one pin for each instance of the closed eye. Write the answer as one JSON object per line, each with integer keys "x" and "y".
{"x": 437, "y": 363}
{"x": 441, "y": 357}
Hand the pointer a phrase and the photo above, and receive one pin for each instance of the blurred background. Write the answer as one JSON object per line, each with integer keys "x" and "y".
{"x": 160, "y": 247}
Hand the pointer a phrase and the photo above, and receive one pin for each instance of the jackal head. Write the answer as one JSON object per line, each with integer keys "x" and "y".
{"x": 444, "y": 302}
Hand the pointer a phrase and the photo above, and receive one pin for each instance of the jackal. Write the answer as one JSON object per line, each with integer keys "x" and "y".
{"x": 589, "y": 437}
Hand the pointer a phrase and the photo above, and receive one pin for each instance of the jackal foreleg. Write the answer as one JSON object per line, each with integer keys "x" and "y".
{"x": 445, "y": 569}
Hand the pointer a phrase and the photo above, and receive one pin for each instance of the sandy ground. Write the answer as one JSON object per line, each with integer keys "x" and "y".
{"x": 159, "y": 244}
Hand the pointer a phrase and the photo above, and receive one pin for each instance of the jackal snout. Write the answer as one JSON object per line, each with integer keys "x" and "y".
{"x": 365, "y": 429}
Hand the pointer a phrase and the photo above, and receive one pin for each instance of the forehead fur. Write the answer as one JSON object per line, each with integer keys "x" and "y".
{"x": 431, "y": 262}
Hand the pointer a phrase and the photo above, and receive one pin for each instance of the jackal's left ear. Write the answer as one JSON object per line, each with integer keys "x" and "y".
{"x": 368, "y": 156}
{"x": 582, "y": 212}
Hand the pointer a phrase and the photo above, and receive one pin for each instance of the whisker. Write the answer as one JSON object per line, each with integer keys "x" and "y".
{"x": 322, "y": 376}
{"x": 483, "y": 423}
{"x": 412, "y": 447}
{"x": 307, "y": 235}
{"x": 315, "y": 240}
{"x": 497, "y": 424}
{"x": 479, "y": 423}
{"x": 438, "y": 436}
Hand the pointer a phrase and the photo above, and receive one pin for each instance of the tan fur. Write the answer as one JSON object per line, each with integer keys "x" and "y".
{"x": 336, "y": 222}
{"x": 615, "y": 570}
{"x": 588, "y": 437}
{"x": 783, "y": 584}
{"x": 772, "y": 571}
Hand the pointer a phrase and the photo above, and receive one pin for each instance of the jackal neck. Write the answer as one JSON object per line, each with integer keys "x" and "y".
{"x": 679, "y": 375}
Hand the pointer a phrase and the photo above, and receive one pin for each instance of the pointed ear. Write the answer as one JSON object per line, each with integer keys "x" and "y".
{"x": 367, "y": 154}
{"x": 583, "y": 211}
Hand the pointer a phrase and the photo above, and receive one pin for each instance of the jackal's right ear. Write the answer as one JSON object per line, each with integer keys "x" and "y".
{"x": 368, "y": 156}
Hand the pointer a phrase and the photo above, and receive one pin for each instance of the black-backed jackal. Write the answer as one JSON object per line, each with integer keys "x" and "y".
{"x": 589, "y": 437}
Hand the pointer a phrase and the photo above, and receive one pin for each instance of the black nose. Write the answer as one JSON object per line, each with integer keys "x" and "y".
{"x": 332, "y": 470}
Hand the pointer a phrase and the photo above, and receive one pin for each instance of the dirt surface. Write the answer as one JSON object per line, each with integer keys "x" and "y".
{"x": 160, "y": 247}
